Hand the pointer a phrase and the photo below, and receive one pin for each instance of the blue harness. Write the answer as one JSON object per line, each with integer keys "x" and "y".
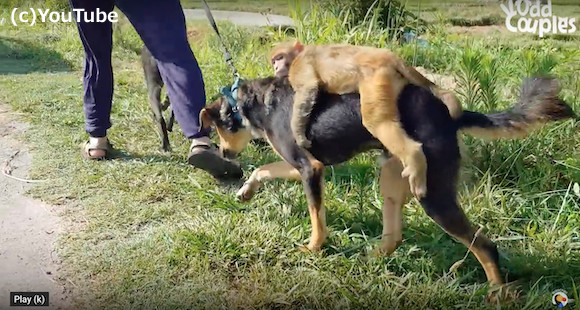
{"x": 231, "y": 94}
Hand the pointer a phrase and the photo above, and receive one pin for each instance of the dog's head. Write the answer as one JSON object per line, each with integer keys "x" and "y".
{"x": 238, "y": 125}
{"x": 233, "y": 135}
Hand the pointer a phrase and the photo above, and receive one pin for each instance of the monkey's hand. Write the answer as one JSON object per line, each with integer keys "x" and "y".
{"x": 416, "y": 171}
{"x": 304, "y": 142}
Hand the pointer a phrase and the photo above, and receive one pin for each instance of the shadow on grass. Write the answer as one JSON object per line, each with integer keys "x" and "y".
{"x": 172, "y": 158}
{"x": 21, "y": 57}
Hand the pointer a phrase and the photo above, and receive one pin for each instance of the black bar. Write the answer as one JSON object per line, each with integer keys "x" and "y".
{"x": 29, "y": 299}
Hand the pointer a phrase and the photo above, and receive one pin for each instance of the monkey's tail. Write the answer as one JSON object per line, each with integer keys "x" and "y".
{"x": 538, "y": 104}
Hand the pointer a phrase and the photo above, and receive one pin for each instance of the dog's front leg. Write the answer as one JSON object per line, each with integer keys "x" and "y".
{"x": 277, "y": 170}
{"x": 313, "y": 181}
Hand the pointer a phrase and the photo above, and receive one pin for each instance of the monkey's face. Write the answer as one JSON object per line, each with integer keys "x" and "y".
{"x": 281, "y": 63}
{"x": 283, "y": 55}
{"x": 233, "y": 136}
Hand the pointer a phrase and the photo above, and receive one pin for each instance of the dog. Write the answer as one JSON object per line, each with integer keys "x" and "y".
{"x": 154, "y": 86}
{"x": 264, "y": 108}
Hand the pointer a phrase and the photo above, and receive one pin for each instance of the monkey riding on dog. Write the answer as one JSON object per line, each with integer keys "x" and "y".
{"x": 377, "y": 75}
{"x": 263, "y": 109}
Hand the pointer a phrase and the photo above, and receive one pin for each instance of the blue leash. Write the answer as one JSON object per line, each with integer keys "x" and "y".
{"x": 230, "y": 92}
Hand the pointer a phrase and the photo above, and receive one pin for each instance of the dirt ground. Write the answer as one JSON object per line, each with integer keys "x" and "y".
{"x": 28, "y": 228}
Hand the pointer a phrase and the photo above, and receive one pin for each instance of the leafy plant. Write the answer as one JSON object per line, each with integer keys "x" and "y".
{"x": 391, "y": 15}
{"x": 468, "y": 77}
{"x": 488, "y": 77}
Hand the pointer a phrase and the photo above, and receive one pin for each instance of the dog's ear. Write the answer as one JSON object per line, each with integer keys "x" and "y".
{"x": 210, "y": 114}
{"x": 205, "y": 119}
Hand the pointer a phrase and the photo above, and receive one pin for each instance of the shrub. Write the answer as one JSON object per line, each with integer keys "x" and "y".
{"x": 390, "y": 14}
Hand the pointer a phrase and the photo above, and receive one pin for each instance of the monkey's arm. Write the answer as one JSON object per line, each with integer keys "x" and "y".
{"x": 304, "y": 81}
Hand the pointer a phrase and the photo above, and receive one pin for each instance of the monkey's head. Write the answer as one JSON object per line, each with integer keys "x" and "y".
{"x": 234, "y": 137}
{"x": 283, "y": 55}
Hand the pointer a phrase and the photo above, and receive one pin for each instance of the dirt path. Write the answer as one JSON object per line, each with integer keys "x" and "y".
{"x": 28, "y": 228}
{"x": 242, "y": 18}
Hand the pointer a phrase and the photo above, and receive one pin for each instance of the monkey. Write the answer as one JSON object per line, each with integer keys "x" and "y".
{"x": 378, "y": 75}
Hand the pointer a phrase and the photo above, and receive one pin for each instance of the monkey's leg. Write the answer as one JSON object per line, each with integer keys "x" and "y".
{"x": 450, "y": 100}
{"x": 277, "y": 170}
{"x": 394, "y": 190}
{"x": 415, "y": 77}
{"x": 305, "y": 84}
{"x": 380, "y": 116}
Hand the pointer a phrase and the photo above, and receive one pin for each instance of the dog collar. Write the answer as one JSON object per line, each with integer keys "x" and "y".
{"x": 231, "y": 94}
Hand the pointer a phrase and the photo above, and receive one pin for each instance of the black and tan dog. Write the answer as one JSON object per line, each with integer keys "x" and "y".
{"x": 337, "y": 134}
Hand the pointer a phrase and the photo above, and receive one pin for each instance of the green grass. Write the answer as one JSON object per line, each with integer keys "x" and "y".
{"x": 149, "y": 231}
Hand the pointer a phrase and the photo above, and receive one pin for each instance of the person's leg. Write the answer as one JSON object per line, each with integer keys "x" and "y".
{"x": 161, "y": 25}
{"x": 98, "y": 74}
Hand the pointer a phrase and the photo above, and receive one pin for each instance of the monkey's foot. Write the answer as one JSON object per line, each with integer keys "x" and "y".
{"x": 417, "y": 180}
{"x": 303, "y": 142}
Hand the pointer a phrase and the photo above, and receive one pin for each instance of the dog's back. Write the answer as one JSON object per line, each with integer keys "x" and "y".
{"x": 336, "y": 128}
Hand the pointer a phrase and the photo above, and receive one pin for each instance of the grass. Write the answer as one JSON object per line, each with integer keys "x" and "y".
{"x": 149, "y": 231}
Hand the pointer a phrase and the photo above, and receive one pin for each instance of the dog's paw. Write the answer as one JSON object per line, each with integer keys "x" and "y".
{"x": 246, "y": 192}
{"x": 310, "y": 248}
{"x": 417, "y": 181}
{"x": 386, "y": 248}
{"x": 502, "y": 294}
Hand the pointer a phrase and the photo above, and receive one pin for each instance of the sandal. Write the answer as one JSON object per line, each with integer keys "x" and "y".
{"x": 97, "y": 144}
{"x": 203, "y": 155}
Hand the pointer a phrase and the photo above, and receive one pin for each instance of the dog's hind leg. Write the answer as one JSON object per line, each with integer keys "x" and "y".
{"x": 165, "y": 104}
{"x": 171, "y": 121}
{"x": 444, "y": 210}
{"x": 395, "y": 191}
{"x": 277, "y": 170}
{"x": 156, "y": 107}
{"x": 154, "y": 84}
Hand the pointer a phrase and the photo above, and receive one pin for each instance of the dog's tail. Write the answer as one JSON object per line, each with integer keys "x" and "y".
{"x": 538, "y": 104}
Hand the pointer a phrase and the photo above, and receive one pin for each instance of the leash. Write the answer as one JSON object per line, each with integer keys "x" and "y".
{"x": 230, "y": 92}
{"x": 227, "y": 56}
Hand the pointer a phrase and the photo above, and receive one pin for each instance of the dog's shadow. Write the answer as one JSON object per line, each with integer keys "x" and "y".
{"x": 161, "y": 157}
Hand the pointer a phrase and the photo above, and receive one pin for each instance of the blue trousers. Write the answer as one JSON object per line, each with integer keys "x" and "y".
{"x": 161, "y": 26}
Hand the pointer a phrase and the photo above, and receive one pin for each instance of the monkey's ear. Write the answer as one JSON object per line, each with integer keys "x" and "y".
{"x": 298, "y": 46}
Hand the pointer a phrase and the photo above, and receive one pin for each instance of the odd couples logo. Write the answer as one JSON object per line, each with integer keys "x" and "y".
{"x": 535, "y": 17}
